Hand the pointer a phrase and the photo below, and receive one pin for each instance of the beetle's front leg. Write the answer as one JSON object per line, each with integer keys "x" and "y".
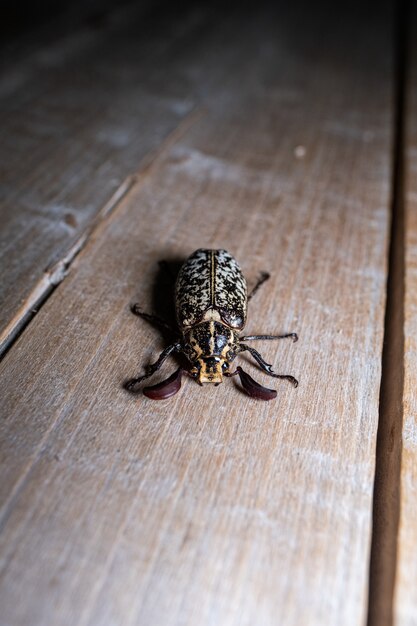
{"x": 266, "y": 367}
{"x": 131, "y": 385}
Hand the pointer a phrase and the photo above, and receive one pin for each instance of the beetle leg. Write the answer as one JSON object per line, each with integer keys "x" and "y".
{"x": 150, "y": 317}
{"x": 293, "y": 336}
{"x": 266, "y": 367}
{"x": 131, "y": 385}
{"x": 263, "y": 276}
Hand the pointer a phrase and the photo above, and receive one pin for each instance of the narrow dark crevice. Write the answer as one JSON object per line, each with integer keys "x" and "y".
{"x": 55, "y": 274}
{"x": 386, "y": 500}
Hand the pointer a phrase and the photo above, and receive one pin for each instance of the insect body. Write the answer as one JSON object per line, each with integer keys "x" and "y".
{"x": 211, "y": 307}
{"x": 211, "y": 303}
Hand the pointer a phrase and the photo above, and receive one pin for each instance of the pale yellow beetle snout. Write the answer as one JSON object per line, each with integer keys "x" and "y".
{"x": 211, "y": 370}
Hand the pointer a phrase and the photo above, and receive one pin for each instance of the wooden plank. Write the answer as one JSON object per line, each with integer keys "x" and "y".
{"x": 405, "y": 596}
{"x": 213, "y": 508}
{"x": 79, "y": 115}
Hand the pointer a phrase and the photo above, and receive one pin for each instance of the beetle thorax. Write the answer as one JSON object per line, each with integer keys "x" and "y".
{"x": 210, "y": 346}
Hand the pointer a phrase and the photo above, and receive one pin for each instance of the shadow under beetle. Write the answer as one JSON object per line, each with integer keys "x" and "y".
{"x": 211, "y": 307}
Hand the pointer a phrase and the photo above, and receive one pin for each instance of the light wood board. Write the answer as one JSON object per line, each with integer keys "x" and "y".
{"x": 213, "y": 508}
{"x": 405, "y": 598}
{"x": 79, "y": 114}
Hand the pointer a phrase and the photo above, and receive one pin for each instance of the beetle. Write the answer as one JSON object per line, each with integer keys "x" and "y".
{"x": 211, "y": 301}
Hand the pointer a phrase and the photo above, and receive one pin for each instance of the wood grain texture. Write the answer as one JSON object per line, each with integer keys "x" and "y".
{"x": 405, "y": 598}
{"x": 213, "y": 508}
{"x": 79, "y": 115}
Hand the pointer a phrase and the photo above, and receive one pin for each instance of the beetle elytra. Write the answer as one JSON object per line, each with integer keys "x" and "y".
{"x": 211, "y": 308}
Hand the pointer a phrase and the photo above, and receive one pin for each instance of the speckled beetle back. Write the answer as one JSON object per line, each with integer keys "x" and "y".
{"x": 211, "y": 280}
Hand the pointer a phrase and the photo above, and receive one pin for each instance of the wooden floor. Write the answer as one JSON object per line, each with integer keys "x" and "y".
{"x": 287, "y": 135}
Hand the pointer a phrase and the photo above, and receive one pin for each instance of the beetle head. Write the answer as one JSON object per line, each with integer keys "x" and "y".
{"x": 211, "y": 370}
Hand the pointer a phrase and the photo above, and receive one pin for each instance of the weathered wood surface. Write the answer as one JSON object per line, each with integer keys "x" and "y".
{"x": 405, "y": 598}
{"x": 79, "y": 114}
{"x": 212, "y": 508}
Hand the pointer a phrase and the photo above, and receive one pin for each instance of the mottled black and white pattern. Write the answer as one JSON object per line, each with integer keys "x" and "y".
{"x": 230, "y": 293}
{"x": 211, "y": 281}
{"x": 211, "y": 303}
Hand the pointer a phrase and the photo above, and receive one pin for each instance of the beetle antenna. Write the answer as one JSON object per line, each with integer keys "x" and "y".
{"x": 252, "y": 388}
{"x": 165, "y": 389}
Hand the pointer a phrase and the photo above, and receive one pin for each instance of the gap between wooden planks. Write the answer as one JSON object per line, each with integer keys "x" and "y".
{"x": 213, "y": 507}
